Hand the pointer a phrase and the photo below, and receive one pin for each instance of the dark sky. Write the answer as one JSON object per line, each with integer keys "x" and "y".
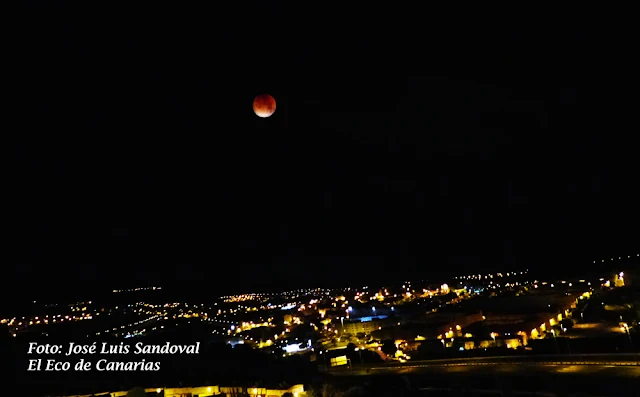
{"x": 397, "y": 150}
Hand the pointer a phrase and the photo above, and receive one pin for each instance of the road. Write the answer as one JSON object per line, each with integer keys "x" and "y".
{"x": 617, "y": 376}
{"x": 625, "y": 359}
{"x": 622, "y": 369}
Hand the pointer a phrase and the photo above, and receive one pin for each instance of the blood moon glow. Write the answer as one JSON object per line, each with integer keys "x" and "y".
{"x": 264, "y": 105}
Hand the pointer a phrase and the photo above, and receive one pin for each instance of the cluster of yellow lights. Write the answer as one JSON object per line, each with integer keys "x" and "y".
{"x": 123, "y": 329}
{"x": 137, "y": 289}
{"x": 294, "y": 298}
{"x": 152, "y": 312}
{"x": 25, "y": 322}
{"x": 490, "y": 276}
{"x": 619, "y": 258}
{"x": 262, "y": 296}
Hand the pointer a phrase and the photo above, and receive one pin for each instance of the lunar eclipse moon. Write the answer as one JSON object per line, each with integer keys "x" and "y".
{"x": 264, "y": 105}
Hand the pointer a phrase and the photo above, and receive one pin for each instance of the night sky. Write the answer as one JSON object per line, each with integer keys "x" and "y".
{"x": 397, "y": 150}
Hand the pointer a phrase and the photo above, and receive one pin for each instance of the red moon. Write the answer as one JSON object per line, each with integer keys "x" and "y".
{"x": 264, "y": 105}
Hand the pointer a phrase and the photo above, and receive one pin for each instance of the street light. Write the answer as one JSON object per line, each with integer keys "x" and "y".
{"x": 325, "y": 357}
{"x": 626, "y": 328}
{"x": 360, "y": 353}
{"x": 553, "y": 332}
{"x": 564, "y": 330}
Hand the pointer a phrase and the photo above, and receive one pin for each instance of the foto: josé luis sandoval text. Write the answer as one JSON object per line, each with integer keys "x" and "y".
{"x": 138, "y": 348}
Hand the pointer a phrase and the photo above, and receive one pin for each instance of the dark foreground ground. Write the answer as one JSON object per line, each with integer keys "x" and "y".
{"x": 514, "y": 380}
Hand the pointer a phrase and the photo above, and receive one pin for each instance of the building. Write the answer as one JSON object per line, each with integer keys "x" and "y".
{"x": 533, "y": 325}
{"x": 206, "y": 391}
{"x": 364, "y": 325}
{"x": 453, "y": 324}
{"x": 296, "y": 391}
{"x": 233, "y": 341}
{"x": 619, "y": 280}
{"x": 508, "y": 341}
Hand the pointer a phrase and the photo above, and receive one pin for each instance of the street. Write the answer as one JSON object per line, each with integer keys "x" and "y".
{"x": 559, "y": 379}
